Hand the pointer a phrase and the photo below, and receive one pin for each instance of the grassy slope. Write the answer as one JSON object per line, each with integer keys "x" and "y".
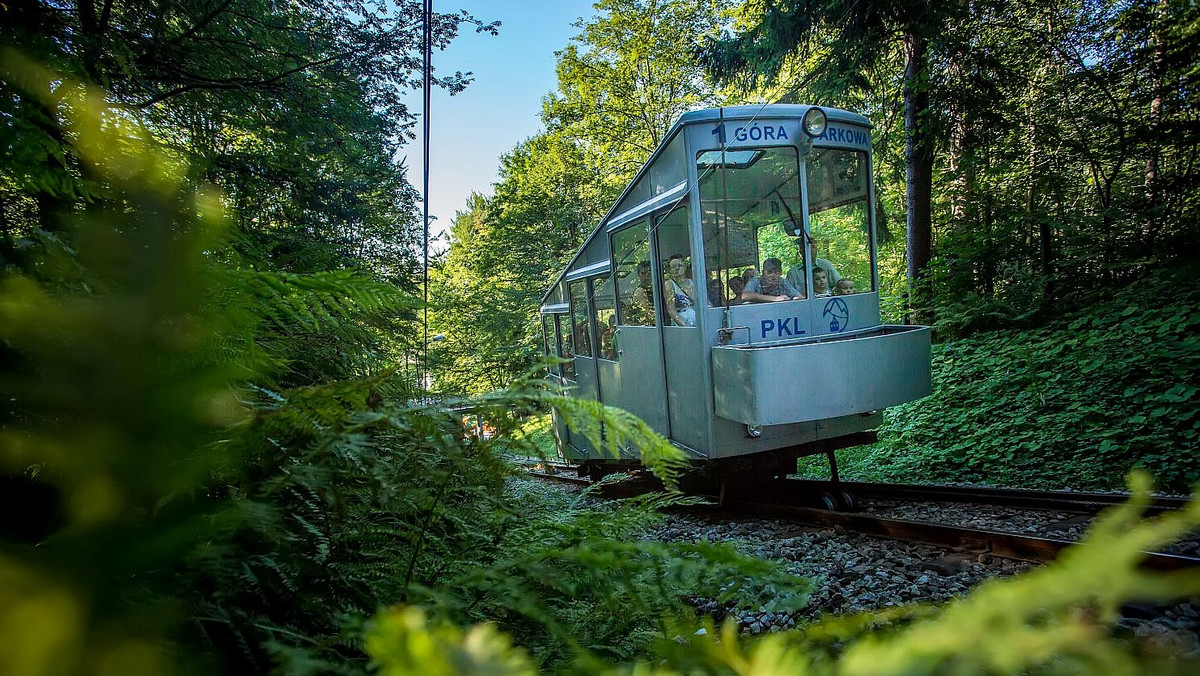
{"x": 1077, "y": 402}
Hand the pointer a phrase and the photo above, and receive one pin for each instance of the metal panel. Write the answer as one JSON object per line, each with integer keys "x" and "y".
{"x": 795, "y": 320}
{"x": 588, "y": 271}
{"x": 586, "y": 387}
{"x": 665, "y": 199}
{"x": 732, "y": 439}
{"x": 837, "y": 376}
{"x": 688, "y": 400}
{"x": 638, "y": 385}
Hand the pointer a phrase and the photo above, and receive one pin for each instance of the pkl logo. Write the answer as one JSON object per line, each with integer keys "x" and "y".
{"x": 838, "y": 314}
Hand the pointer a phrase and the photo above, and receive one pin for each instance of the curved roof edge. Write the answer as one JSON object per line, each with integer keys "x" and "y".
{"x": 767, "y": 110}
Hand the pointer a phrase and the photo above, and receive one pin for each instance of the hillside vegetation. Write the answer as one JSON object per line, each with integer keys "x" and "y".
{"x": 1076, "y": 402}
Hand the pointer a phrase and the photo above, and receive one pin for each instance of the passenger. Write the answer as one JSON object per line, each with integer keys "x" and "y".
{"x": 737, "y": 283}
{"x": 771, "y": 286}
{"x": 844, "y": 287}
{"x": 716, "y": 295}
{"x": 678, "y": 294}
{"x": 641, "y": 302}
{"x": 820, "y": 282}
{"x": 608, "y": 338}
{"x": 796, "y": 276}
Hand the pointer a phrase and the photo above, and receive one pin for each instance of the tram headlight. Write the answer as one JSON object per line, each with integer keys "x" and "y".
{"x": 753, "y": 431}
{"x": 815, "y": 122}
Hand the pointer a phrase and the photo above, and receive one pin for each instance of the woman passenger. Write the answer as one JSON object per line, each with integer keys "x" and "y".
{"x": 678, "y": 293}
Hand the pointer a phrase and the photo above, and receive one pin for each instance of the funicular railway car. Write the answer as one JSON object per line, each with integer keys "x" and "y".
{"x": 730, "y": 297}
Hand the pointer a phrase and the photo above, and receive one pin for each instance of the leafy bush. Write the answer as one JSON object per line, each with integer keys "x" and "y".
{"x": 207, "y": 513}
{"x": 1078, "y": 402}
{"x": 1052, "y": 620}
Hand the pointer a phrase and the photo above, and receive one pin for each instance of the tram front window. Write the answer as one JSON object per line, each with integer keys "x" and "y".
{"x": 840, "y": 219}
{"x": 750, "y": 211}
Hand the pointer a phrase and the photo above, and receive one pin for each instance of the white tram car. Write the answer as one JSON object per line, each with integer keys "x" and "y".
{"x": 655, "y": 315}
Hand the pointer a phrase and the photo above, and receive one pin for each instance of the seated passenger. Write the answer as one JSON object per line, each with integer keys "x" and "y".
{"x": 640, "y": 309}
{"x": 844, "y": 287}
{"x": 796, "y": 276}
{"x": 608, "y": 338}
{"x": 771, "y": 286}
{"x": 737, "y": 284}
{"x": 716, "y": 295}
{"x": 820, "y": 282}
{"x": 679, "y": 297}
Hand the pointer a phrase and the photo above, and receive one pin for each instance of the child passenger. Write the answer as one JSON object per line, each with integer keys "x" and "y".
{"x": 820, "y": 282}
{"x": 844, "y": 287}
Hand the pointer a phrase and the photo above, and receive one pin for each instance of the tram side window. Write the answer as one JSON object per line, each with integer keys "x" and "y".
{"x": 549, "y": 343}
{"x": 678, "y": 287}
{"x": 840, "y": 219}
{"x": 567, "y": 351}
{"x": 606, "y": 317}
{"x": 579, "y": 319}
{"x": 750, "y": 212}
{"x": 631, "y": 269}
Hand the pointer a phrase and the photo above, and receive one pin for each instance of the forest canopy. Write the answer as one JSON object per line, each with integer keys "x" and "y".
{"x": 217, "y": 453}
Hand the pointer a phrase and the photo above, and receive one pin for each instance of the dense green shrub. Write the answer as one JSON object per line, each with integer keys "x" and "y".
{"x": 1052, "y": 620}
{"x": 1077, "y": 402}
{"x": 206, "y": 514}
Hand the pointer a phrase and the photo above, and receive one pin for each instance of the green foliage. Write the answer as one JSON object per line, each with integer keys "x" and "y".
{"x": 629, "y": 77}
{"x": 202, "y": 518}
{"x": 620, "y": 87}
{"x": 1077, "y": 402}
{"x": 1052, "y": 620}
{"x": 504, "y": 252}
{"x": 403, "y": 642}
{"x": 576, "y": 585}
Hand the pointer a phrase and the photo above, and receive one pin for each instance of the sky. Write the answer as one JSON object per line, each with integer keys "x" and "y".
{"x": 513, "y": 71}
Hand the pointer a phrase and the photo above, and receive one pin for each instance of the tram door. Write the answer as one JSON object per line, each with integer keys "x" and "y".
{"x": 684, "y": 359}
{"x": 638, "y": 383}
{"x": 586, "y": 380}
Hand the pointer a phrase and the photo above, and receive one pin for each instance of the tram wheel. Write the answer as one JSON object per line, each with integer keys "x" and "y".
{"x": 847, "y": 501}
{"x": 595, "y": 472}
{"x": 829, "y": 502}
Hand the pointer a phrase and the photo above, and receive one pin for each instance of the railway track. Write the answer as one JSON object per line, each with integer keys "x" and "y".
{"x": 793, "y": 501}
{"x": 1069, "y": 501}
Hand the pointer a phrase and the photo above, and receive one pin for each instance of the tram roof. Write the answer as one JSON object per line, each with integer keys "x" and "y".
{"x": 764, "y": 110}
{"x": 749, "y": 112}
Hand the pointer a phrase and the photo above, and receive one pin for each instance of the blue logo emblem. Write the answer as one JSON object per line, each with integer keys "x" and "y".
{"x": 838, "y": 313}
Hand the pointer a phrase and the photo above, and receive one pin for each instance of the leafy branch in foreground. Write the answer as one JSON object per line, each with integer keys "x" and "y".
{"x": 609, "y": 429}
{"x": 1052, "y": 620}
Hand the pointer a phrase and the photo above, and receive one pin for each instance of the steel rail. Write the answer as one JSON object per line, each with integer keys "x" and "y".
{"x": 1004, "y": 545}
{"x": 1070, "y": 501}
{"x": 563, "y": 478}
{"x": 995, "y": 543}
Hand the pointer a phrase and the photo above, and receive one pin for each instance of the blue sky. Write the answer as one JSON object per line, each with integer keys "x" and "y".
{"x": 513, "y": 71}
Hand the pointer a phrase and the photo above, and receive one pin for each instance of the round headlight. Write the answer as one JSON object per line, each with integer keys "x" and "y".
{"x": 815, "y": 122}
{"x": 753, "y": 431}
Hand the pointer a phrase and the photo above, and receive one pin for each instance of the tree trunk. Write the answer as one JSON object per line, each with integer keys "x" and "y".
{"x": 918, "y": 157}
{"x": 1153, "y": 198}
